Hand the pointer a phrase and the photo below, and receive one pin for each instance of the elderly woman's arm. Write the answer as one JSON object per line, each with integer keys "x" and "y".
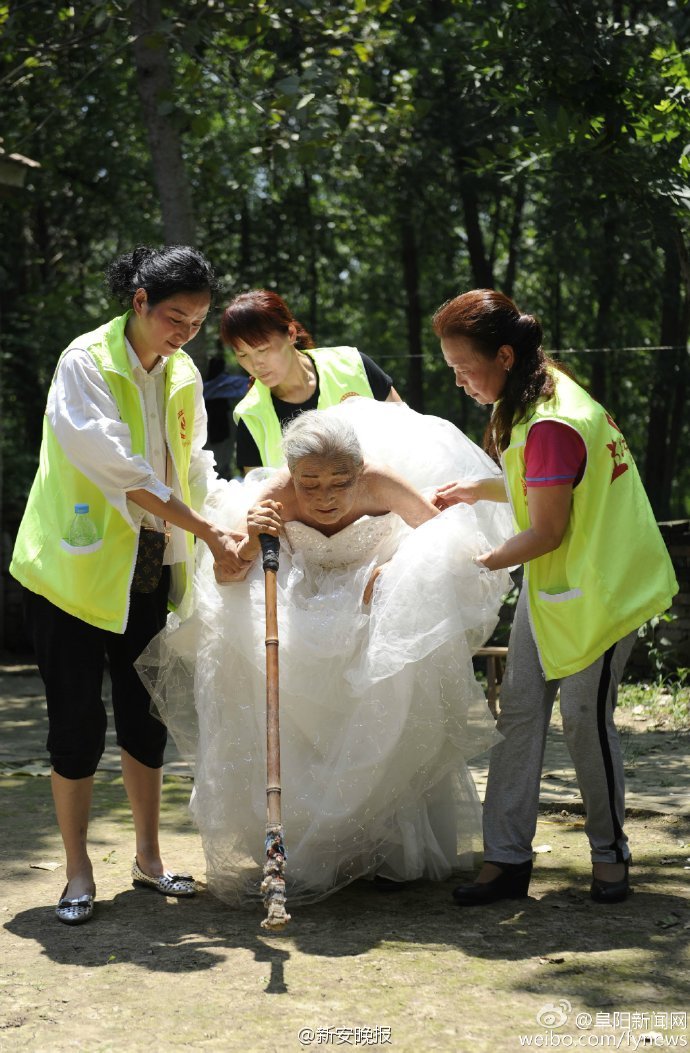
{"x": 397, "y": 495}
{"x": 401, "y": 497}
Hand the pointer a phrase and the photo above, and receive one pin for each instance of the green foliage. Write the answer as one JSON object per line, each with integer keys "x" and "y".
{"x": 369, "y": 159}
{"x": 659, "y": 648}
{"x": 665, "y": 700}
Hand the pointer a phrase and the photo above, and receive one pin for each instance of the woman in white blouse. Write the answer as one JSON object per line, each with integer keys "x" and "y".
{"x": 123, "y": 431}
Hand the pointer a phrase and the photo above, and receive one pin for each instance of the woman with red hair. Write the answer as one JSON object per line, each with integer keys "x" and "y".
{"x": 290, "y": 374}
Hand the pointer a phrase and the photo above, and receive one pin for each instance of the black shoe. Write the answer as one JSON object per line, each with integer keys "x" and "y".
{"x": 612, "y": 891}
{"x": 511, "y": 883}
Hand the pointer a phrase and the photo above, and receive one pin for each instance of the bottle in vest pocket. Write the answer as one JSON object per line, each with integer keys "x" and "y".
{"x": 82, "y": 531}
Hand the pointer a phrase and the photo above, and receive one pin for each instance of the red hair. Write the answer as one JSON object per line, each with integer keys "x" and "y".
{"x": 254, "y": 316}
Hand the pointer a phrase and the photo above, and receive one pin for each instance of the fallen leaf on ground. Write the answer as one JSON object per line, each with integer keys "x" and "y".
{"x": 669, "y": 921}
{"x": 38, "y": 768}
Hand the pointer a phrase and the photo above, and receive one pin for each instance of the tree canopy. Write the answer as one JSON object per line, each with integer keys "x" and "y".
{"x": 367, "y": 159}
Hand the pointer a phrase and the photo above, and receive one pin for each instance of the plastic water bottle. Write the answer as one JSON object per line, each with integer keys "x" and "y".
{"x": 82, "y": 531}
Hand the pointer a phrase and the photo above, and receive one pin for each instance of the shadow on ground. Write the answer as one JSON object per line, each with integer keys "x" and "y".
{"x": 557, "y": 927}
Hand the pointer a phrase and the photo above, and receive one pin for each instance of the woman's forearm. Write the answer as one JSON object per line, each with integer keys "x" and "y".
{"x": 493, "y": 489}
{"x": 222, "y": 543}
{"x": 521, "y": 548}
{"x": 469, "y": 491}
{"x": 174, "y": 511}
{"x": 549, "y": 512}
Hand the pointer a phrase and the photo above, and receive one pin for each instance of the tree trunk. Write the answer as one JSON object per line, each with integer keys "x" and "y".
{"x": 606, "y": 278}
{"x": 482, "y": 270}
{"x": 155, "y": 86}
{"x": 556, "y": 307}
{"x": 410, "y": 262}
{"x": 496, "y": 226}
{"x": 680, "y": 374}
{"x": 312, "y": 256}
{"x": 154, "y": 83}
{"x": 668, "y": 396}
{"x": 514, "y": 237}
{"x": 245, "y": 261}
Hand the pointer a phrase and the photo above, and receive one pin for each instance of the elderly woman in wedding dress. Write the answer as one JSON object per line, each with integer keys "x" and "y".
{"x": 380, "y": 610}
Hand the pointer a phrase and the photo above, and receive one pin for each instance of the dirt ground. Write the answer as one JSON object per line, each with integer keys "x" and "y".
{"x": 408, "y": 972}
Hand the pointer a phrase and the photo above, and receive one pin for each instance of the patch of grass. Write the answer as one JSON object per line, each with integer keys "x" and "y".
{"x": 665, "y": 700}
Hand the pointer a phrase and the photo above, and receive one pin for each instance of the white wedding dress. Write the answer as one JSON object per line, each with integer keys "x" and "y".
{"x": 379, "y": 706}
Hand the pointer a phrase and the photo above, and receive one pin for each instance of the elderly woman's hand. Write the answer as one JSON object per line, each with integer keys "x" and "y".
{"x": 264, "y": 518}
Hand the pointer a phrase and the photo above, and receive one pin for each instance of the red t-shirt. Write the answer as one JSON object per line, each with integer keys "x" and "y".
{"x": 554, "y": 454}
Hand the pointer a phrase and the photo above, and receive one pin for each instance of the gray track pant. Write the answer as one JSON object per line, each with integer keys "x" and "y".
{"x": 588, "y": 699}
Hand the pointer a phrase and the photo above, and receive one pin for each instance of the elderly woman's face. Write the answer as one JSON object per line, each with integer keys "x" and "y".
{"x": 325, "y": 488}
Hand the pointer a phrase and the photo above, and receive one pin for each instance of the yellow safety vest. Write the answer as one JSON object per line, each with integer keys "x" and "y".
{"x": 612, "y": 571}
{"x": 341, "y": 375}
{"x": 93, "y": 583}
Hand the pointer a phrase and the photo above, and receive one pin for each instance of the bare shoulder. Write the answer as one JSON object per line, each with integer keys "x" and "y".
{"x": 280, "y": 488}
{"x": 277, "y": 487}
{"x": 378, "y": 476}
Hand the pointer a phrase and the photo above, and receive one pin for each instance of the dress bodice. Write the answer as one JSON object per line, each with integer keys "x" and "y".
{"x": 368, "y": 538}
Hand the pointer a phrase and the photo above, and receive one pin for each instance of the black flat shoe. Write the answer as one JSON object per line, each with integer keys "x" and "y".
{"x": 511, "y": 883}
{"x": 612, "y": 891}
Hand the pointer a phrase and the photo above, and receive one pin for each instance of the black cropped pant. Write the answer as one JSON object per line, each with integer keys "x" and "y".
{"x": 71, "y": 658}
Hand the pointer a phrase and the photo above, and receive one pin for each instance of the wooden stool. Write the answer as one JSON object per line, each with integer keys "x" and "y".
{"x": 495, "y": 662}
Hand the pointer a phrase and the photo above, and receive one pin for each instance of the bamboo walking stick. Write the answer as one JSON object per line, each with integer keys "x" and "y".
{"x": 273, "y": 884}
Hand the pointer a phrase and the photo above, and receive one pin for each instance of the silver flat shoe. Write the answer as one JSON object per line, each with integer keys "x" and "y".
{"x": 167, "y": 884}
{"x": 75, "y": 911}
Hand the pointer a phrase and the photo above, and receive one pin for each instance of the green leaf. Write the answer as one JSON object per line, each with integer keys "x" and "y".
{"x": 288, "y": 85}
{"x": 343, "y": 116}
{"x": 201, "y": 125}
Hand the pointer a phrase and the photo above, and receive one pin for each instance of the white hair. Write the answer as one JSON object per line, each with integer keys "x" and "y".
{"x": 318, "y": 433}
